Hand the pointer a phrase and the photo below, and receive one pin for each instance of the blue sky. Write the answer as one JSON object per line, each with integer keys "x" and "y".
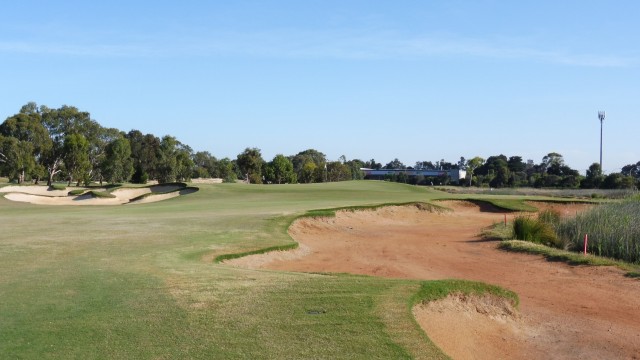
{"x": 416, "y": 80}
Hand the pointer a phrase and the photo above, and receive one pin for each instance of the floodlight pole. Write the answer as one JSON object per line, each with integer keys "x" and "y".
{"x": 601, "y": 117}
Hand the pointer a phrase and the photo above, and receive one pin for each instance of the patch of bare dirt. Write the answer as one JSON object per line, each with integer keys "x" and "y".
{"x": 566, "y": 312}
{"x": 502, "y": 331}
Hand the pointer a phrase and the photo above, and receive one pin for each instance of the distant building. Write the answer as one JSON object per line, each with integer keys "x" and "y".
{"x": 455, "y": 174}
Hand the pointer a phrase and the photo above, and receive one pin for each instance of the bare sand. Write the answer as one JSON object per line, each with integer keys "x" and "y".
{"x": 42, "y": 195}
{"x": 566, "y": 312}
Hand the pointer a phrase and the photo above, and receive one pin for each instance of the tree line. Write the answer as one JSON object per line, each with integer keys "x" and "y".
{"x": 65, "y": 144}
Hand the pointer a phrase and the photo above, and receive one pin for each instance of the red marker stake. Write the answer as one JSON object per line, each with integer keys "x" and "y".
{"x": 505, "y": 220}
{"x": 586, "y": 239}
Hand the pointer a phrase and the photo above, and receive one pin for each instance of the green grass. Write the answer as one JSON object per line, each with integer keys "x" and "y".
{"x": 613, "y": 229}
{"x": 569, "y": 257}
{"x": 140, "y": 281}
{"x": 436, "y": 290}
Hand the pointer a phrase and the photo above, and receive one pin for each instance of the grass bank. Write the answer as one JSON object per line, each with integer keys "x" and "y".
{"x": 138, "y": 281}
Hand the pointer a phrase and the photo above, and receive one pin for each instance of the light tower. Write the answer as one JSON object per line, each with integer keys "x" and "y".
{"x": 601, "y": 117}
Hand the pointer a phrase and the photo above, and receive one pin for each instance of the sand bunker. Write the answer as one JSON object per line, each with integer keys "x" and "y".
{"x": 566, "y": 312}
{"x": 43, "y": 195}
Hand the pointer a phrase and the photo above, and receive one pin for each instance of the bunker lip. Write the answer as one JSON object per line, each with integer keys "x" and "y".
{"x": 568, "y": 311}
{"x": 43, "y": 195}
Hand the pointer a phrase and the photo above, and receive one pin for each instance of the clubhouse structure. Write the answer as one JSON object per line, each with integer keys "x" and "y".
{"x": 455, "y": 175}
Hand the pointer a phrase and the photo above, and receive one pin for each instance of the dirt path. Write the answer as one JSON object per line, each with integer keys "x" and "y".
{"x": 566, "y": 312}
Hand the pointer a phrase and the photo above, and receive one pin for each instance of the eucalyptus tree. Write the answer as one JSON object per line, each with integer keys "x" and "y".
{"x": 146, "y": 153}
{"x": 309, "y": 165}
{"x": 395, "y": 164}
{"x": 64, "y": 121}
{"x": 174, "y": 162}
{"x": 250, "y": 164}
{"x": 117, "y": 165}
{"x": 75, "y": 150}
{"x": 26, "y": 141}
{"x": 472, "y": 165}
{"x": 355, "y": 166}
{"x": 225, "y": 169}
{"x": 16, "y": 158}
{"x": 204, "y": 165}
{"x": 594, "y": 177}
{"x": 280, "y": 170}
{"x": 338, "y": 171}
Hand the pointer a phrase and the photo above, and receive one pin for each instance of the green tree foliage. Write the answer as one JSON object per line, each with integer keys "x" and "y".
{"x": 302, "y": 165}
{"x": 117, "y": 165}
{"x": 76, "y": 157}
{"x": 632, "y": 170}
{"x": 426, "y": 165}
{"x": 16, "y": 158}
{"x": 495, "y": 171}
{"x": 174, "y": 162}
{"x": 308, "y": 171}
{"x": 225, "y": 168}
{"x": 27, "y": 128}
{"x": 337, "y": 171}
{"x": 146, "y": 154}
{"x": 250, "y": 164}
{"x": 69, "y": 120}
{"x": 500, "y": 171}
{"x": 472, "y": 165}
{"x": 354, "y": 167}
{"x": 205, "y": 165}
{"x": 280, "y": 170}
{"x": 372, "y": 164}
{"x": 552, "y": 172}
{"x": 395, "y": 164}
{"x": 618, "y": 181}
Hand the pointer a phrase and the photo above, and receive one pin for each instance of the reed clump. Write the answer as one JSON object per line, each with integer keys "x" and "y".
{"x": 613, "y": 230}
{"x": 539, "y": 230}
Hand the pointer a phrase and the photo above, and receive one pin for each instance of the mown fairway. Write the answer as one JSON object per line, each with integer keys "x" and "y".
{"x": 137, "y": 281}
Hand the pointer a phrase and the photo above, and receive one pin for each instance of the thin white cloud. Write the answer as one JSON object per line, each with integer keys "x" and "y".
{"x": 92, "y": 50}
{"x": 318, "y": 45}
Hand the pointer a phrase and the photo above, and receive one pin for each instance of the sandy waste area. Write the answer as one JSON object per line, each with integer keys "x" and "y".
{"x": 565, "y": 312}
{"x": 42, "y": 195}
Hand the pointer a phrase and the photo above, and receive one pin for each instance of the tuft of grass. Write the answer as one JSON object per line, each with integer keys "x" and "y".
{"x": 102, "y": 194}
{"x": 224, "y": 257}
{"x": 58, "y": 187}
{"x": 549, "y": 216}
{"x": 440, "y": 289}
{"x": 572, "y": 258}
{"x": 76, "y": 192}
{"x": 498, "y": 231}
{"x": 534, "y": 230}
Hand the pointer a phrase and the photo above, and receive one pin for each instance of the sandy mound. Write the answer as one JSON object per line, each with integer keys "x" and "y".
{"x": 463, "y": 326}
{"x": 36, "y": 190}
{"x": 59, "y": 200}
{"x": 42, "y": 195}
